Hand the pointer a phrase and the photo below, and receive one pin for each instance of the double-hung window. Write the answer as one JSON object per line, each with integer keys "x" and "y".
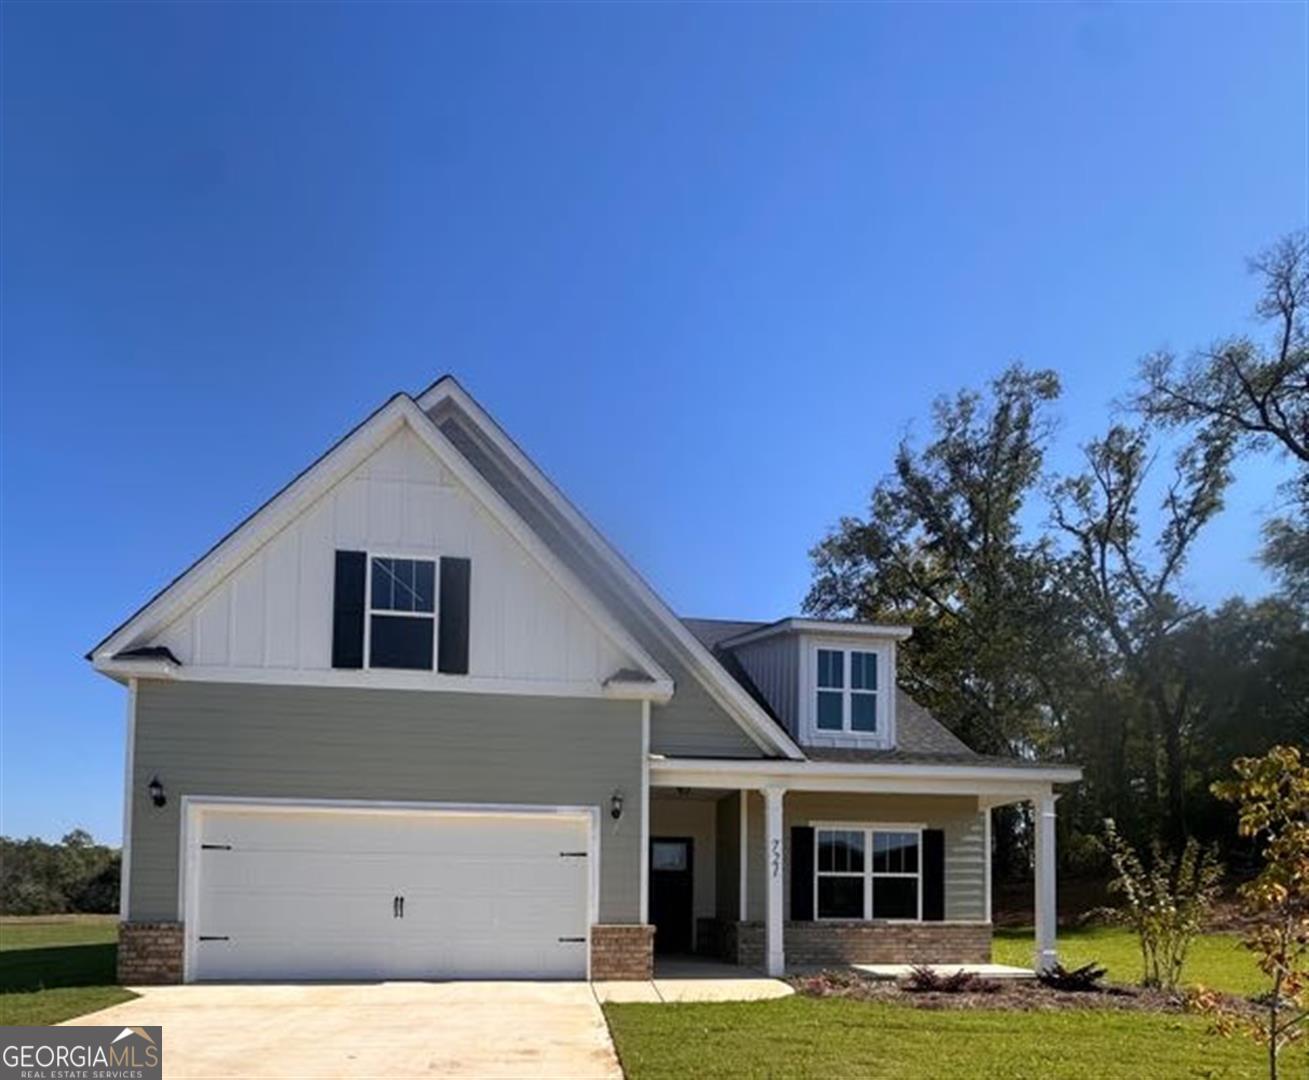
{"x": 401, "y": 613}
{"x": 846, "y": 687}
{"x": 868, "y": 873}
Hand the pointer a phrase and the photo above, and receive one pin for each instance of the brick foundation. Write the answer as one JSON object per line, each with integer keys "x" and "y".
{"x": 820, "y": 944}
{"x": 149, "y": 953}
{"x": 622, "y": 952}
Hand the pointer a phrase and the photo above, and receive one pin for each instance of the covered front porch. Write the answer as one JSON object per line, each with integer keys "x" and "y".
{"x": 784, "y": 866}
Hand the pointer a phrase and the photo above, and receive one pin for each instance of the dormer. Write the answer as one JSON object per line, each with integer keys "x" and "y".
{"x": 831, "y": 684}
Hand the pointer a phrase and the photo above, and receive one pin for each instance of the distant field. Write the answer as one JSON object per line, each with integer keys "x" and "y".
{"x": 55, "y": 967}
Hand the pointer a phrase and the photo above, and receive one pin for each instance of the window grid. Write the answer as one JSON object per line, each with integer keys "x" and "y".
{"x": 872, "y": 842}
{"x": 841, "y": 705}
{"x": 386, "y": 566}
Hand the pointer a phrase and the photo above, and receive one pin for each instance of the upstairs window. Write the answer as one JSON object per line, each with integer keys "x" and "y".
{"x": 846, "y": 689}
{"x": 401, "y": 613}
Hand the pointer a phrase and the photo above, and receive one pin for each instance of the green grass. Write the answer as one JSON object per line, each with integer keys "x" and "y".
{"x": 809, "y": 1037}
{"x": 1218, "y": 961}
{"x": 55, "y": 968}
{"x": 801, "y": 1037}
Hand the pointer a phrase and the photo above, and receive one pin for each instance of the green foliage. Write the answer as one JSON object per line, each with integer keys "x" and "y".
{"x": 1167, "y": 904}
{"x": 1080, "y": 980}
{"x": 75, "y": 875}
{"x": 1272, "y": 793}
{"x": 1244, "y": 395}
{"x": 941, "y": 547}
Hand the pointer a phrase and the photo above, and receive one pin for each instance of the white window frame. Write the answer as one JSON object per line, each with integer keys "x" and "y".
{"x": 869, "y": 828}
{"x": 369, "y": 612}
{"x": 884, "y": 736}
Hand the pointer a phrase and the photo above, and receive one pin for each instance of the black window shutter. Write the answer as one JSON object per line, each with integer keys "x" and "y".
{"x": 802, "y": 873}
{"x": 453, "y": 611}
{"x": 933, "y": 875}
{"x": 348, "y": 610}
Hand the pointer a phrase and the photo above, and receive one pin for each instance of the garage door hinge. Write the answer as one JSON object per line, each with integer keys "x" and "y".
{"x": 573, "y": 940}
{"x": 572, "y": 854}
{"x": 215, "y": 847}
{"x": 214, "y": 937}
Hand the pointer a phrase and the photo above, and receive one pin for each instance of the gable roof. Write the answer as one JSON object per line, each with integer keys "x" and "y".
{"x": 316, "y": 480}
{"x": 735, "y": 698}
{"x": 920, "y": 737}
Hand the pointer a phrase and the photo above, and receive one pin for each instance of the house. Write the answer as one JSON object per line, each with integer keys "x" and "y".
{"x": 416, "y": 718}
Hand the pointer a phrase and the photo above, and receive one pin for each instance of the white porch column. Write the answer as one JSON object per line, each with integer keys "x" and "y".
{"x": 744, "y": 868}
{"x": 775, "y": 873}
{"x": 1043, "y": 808}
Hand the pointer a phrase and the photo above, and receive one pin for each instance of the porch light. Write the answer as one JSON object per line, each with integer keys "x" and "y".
{"x": 156, "y": 790}
{"x": 616, "y": 805}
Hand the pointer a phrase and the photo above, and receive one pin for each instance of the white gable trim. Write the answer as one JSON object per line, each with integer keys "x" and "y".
{"x": 316, "y": 481}
{"x": 757, "y": 724}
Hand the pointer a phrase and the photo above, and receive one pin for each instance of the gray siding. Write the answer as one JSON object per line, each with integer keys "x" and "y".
{"x": 314, "y": 742}
{"x": 773, "y": 665}
{"x": 692, "y": 724}
{"x": 958, "y": 816}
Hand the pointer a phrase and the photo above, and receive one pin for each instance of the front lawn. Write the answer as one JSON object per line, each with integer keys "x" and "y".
{"x": 58, "y": 967}
{"x": 1217, "y": 961}
{"x": 810, "y": 1037}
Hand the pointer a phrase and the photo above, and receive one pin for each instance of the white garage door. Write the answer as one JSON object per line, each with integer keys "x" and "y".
{"x": 349, "y": 894}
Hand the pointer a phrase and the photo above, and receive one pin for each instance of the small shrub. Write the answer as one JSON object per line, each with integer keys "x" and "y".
{"x": 924, "y": 980}
{"x": 1166, "y": 905}
{"x": 1082, "y": 980}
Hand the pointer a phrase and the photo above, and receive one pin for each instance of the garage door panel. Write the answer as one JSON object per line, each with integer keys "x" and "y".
{"x": 311, "y": 895}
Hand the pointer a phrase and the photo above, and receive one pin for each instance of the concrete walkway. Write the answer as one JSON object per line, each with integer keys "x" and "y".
{"x": 695, "y": 980}
{"x": 402, "y": 1029}
{"x": 984, "y": 971}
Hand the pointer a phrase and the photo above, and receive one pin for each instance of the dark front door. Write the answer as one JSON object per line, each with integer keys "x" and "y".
{"x": 670, "y": 894}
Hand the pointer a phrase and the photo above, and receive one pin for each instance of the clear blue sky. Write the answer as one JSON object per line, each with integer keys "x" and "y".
{"x": 707, "y": 263}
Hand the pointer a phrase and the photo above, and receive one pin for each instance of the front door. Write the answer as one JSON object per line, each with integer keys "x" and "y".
{"x": 671, "y": 908}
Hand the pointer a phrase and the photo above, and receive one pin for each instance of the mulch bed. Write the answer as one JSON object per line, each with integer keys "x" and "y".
{"x": 1014, "y": 995}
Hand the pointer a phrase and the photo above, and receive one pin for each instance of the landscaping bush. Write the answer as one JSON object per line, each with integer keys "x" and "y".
{"x": 1083, "y": 980}
{"x": 924, "y": 980}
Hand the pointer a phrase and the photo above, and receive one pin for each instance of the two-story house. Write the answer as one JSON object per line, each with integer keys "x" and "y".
{"x": 416, "y": 718}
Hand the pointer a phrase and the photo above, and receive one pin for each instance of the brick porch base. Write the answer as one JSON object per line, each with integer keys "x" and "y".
{"x": 816, "y": 944}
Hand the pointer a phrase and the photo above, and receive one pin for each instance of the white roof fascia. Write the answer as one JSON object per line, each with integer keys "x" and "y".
{"x": 997, "y": 783}
{"x": 316, "y": 481}
{"x": 761, "y": 728}
{"x": 821, "y": 628}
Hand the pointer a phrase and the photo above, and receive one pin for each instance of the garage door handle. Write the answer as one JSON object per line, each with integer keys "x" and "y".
{"x": 398, "y": 908}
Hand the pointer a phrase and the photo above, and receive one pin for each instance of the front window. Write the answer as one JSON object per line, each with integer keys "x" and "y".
{"x": 868, "y": 873}
{"x": 401, "y": 613}
{"x": 846, "y": 704}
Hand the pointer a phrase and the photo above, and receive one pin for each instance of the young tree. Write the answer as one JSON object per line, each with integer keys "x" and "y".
{"x": 1128, "y": 585}
{"x": 1167, "y": 905}
{"x": 1272, "y": 795}
{"x": 1253, "y": 397}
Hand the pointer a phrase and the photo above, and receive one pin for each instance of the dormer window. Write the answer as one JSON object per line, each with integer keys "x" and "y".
{"x": 846, "y": 688}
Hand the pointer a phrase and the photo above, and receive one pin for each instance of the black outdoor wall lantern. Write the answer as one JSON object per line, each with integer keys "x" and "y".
{"x": 616, "y": 805}
{"x": 156, "y": 790}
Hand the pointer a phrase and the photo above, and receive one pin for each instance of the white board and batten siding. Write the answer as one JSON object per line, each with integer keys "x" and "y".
{"x": 273, "y": 613}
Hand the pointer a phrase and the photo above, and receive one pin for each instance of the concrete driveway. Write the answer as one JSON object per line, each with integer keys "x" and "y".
{"x": 401, "y": 1029}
